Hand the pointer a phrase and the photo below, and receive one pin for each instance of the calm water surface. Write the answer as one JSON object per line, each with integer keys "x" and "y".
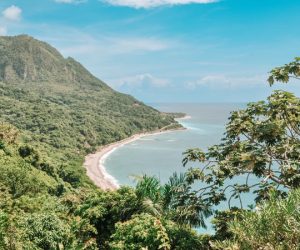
{"x": 161, "y": 155}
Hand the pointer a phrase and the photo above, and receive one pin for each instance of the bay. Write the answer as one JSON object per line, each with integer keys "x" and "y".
{"x": 161, "y": 155}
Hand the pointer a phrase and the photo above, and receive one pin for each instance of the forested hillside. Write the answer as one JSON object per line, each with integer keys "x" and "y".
{"x": 62, "y": 110}
{"x": 53, "y": 112}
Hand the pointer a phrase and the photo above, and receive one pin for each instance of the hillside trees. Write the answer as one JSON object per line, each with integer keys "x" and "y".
{"x": 146, "y": 216}
{"x": 143, "y": 231}
{"x": 33, "y": 214}
{"x": 63, "y": 111}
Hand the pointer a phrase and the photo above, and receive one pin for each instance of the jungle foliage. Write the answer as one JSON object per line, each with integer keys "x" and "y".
{"x": 53, "y": 112}
{"x": 262, "y": 143}
{"x": 39, "y": 211}
{"x": 261, "y": 146}
{"x": 63, "y": 111}
{"x": 274, "y": 225}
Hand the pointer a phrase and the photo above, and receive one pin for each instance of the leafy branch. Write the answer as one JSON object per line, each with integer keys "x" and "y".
{"x": 284, "y": 73}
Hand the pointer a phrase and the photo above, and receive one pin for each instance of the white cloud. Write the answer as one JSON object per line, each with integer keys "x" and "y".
{"x": 155, "y": 3}
{"x": 110, "y": 57}
{"x": 133, "y": 44}
{"x": 12, "y": 13}
{"x": 139, "y": 81}
{"x": 117, "y": 45}
{"x": 64, "y": 1}
{"x": 70, "y": 1}
{"x": 224, "y": 81}
{"x": 3, "y": 31}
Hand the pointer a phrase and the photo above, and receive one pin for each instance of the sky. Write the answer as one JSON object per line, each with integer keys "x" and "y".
{"x": 168, "y": 50}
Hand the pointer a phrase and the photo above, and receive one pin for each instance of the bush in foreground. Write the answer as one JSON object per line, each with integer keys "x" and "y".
{"x": 274, "y": 226}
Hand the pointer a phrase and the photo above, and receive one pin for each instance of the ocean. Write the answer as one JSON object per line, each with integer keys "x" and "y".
{"x": 161, "y": 155}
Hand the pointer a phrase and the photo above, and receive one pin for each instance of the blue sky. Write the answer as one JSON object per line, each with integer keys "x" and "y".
{"x": 168, "y": 50}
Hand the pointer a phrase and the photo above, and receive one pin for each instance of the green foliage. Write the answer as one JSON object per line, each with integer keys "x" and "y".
{"x": 173, "y": 200}
{"x": 19, "y": 176}
{"x": 182, "y": 238}
{"x": 220, "y": 223}
{"x": 274, "y": 225}
{"x": 149, "y": 187}
{"x": 284, "y": 73}
{"x": 8, "y": 134}
{"x": 141, "y": 232}
{"x": 53, "y": 112}
{"x": 63, "y": 111}
{"x": 261, "y": 144}
{"x": 3, "y": 228}
{"x": 145, "y": 231}
{"x": 104, "y": 209}
{"x": 261, "y": 141}
{"x": 45, "y": 231}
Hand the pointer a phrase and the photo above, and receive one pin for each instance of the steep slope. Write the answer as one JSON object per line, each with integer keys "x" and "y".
{"x": 24, "y": 59}
{"x": 52, "y": 113}
{"x": 62, "y": 109}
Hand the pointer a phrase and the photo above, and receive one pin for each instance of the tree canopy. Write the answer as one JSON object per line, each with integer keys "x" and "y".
{"x": 47, "y": 203}
{"x": 261, "y": 141}
{"x": 286, "y": 72}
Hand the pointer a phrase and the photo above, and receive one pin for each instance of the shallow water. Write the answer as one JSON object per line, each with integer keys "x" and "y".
{"x": 161, "y": 155}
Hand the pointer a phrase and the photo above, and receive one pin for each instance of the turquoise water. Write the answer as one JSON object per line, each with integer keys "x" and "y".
{"x": 161, "y": 155}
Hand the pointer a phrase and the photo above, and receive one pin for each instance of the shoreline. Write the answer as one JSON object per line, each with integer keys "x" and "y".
{"x": 186, "y": 117}
{"x": 94, "y": 163}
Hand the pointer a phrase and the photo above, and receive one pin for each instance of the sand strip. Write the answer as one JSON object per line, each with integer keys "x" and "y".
{"x": 94, "y": 162}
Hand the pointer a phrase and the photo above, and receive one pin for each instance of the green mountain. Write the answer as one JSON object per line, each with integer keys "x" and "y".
{"x": 52, "y": 113}
{"x": 62, "y": 109}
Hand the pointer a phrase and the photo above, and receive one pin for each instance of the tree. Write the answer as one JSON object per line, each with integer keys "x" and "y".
{"x": 104, "y": 209}
{"x": 3, "y": 229}
{"x": 45, "y": 231}
{"x": 182, "y": 238}
{"x": 18, "y": 179}
{"x": 261, "y": 144}
{"x": 275, "y": 225}
{"x": 173, "y": 200}
{"x": 143, "y": 231}
{"x": 284, "y": 73}
{"x": 8, "y": 133}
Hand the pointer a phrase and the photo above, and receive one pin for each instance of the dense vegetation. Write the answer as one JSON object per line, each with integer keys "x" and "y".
{"x": 262, "y": 145}
{"x": 38, "y": 212}
{"x": 275, "y": 225}
{"x": 53, "y": 112}
{"x": 62, "y": 110}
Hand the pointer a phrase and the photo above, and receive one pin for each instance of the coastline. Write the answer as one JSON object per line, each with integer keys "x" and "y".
{"x": 186, "y": 117}
{"x": 94, "y": 163}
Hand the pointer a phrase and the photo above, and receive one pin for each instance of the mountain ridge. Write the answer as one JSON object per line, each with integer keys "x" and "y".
{"x": 64, "y": 111}
{"x": 25, "y": 59}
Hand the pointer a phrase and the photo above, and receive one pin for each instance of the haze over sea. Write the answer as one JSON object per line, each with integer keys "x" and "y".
{"x": 161, "y": 155}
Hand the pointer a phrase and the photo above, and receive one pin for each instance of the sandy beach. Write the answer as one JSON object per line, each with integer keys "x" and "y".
{"x": 94, "y": 163}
